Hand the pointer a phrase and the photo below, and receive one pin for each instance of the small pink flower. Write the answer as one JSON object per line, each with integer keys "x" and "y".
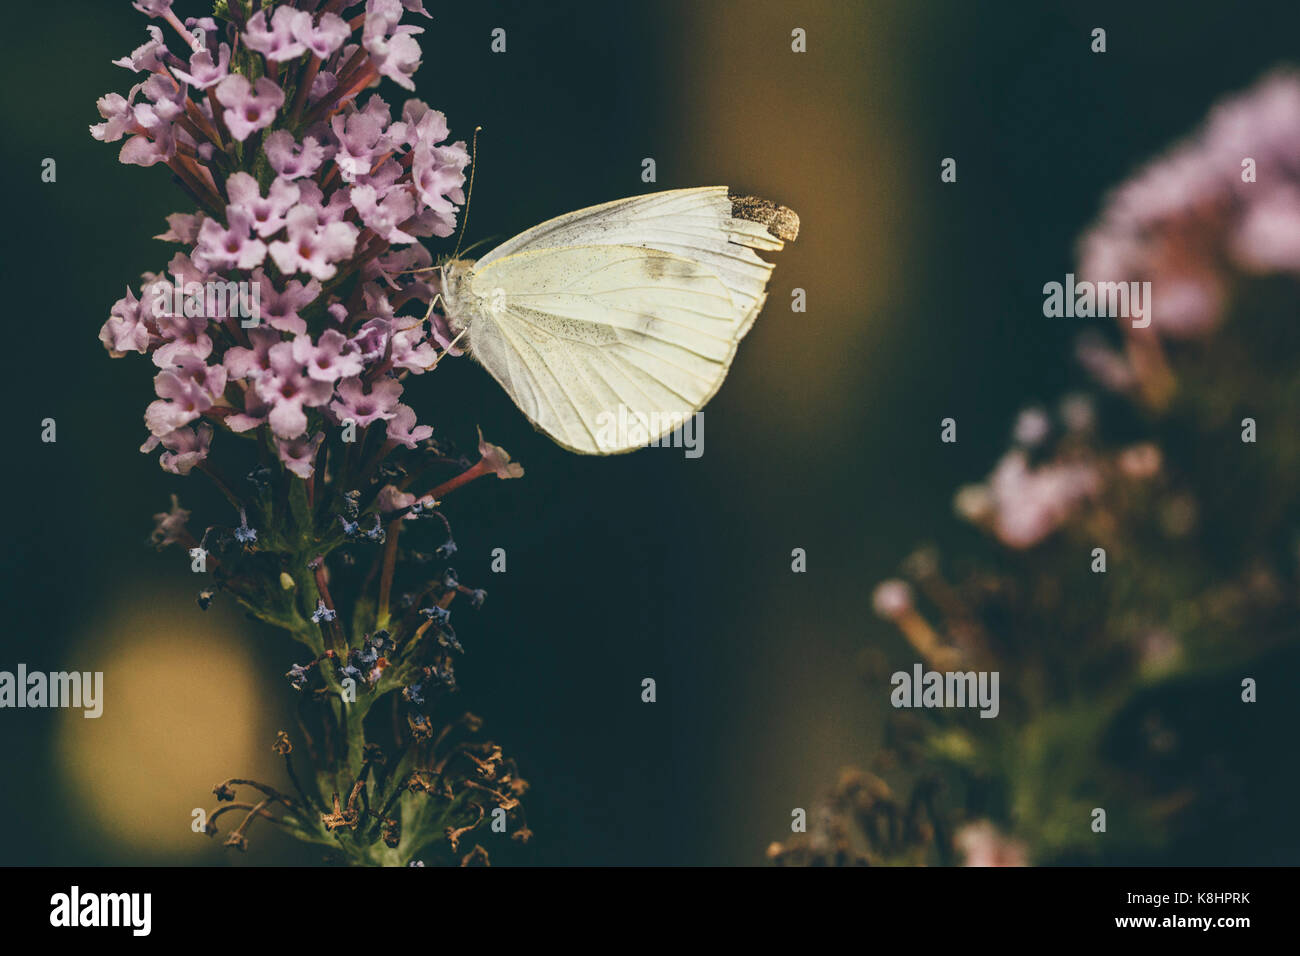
{"x": 182, "y": 227}
{"x": 403, "y": 430}
{"x": 321, "y": 38}
{"x": 494, "y": 456}
{"x": 385, "y": 213}
{"x": 184, "y": 337}
{"x": 184, "y": 393}
{"x": 280, "y": 308}
{"x": 230, "y": 247}
{"x": 153, "y": 8}
{"x": 266, "y": 214}
{"x": 144, "y": 58}
{"x": 286, "y": 387}
{"x": 372, "y": 338}
{"x": 363, "y": 405}
{"x": 153, "y": 122}
{"x": 255, "y": 413}
{"x": 124, "y": 331}
{"x": 393, "y": 49}
{"x": 299, "y": 454}
{"x": 250, "y": 363}
{"x": 248, "y": 107}
{"x": 312, "y": 247}
{"x": 119, "y": 118}
{"x": 330, "y": 358}
{"x": 186, "y": 447}
{"x": 325, "y": 83}
{"x": 411, "y": 350}
{"x": 421, "y": 123}
{"x": 291, "y": 160}
{"x": 361, "y": 139}
{"x": 280, "y": 41}
{"x": 335, "y": 210}
{"x": 203, "y": 71}
{"x": 439, "y": 173}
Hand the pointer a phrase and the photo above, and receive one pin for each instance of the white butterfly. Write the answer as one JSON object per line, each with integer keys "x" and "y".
{"x": 630, "y": 309}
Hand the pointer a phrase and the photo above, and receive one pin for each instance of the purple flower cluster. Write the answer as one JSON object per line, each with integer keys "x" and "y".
{"x": 1050, "y": 479}
{"x": 309, "y": 202}
{"x": 1225, "y": 201}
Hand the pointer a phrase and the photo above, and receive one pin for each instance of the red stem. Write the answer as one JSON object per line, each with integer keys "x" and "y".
{"x": 464, "y": 478}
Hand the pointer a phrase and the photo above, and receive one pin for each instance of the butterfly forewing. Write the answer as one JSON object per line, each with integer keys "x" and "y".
{"x": 633, "y": 308}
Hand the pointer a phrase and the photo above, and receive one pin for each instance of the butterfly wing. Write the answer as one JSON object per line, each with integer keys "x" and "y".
{"x": 638, "y": 303}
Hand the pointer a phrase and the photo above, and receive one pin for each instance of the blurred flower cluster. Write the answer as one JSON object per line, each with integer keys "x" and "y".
{"x": 284, "y": 331}
{"x": 1139, "y": 567}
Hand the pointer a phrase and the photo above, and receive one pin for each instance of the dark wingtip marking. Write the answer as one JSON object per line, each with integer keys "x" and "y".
{"x": 781, "y": 221}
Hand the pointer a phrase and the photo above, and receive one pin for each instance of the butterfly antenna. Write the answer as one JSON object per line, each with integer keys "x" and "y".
{"x": 482, "y": 242}
{"x": 473, "y": 169}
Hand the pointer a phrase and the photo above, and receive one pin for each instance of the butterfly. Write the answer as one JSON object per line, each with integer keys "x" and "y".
{"x": 627, "y": 312}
